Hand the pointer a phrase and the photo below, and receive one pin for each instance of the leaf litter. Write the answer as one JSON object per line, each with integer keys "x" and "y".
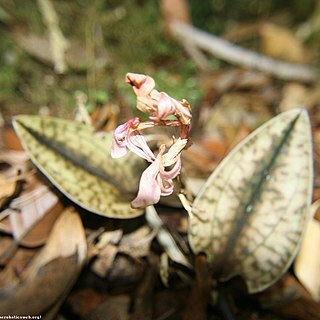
{"x": 123, "y": 259}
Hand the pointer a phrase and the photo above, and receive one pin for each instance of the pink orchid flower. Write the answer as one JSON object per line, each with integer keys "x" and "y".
{"x": 126, "y": 136}
{"x": 158, "y": 104}
{"x": 143, "y": 87}
{"x": 155, "y": 180}
{"x": 169, "y": 106}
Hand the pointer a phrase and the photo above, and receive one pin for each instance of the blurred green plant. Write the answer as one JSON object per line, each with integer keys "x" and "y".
{"x": 133, "y": 35}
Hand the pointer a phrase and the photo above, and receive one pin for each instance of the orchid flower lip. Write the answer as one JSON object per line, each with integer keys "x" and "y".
{"x": 156, "y": 181}
{"x": 149, "y": 189}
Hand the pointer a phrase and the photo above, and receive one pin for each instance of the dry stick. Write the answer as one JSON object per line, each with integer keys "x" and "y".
{"x": 57, "y": 40}
{"x": 143, "y": 299}
{"x": 196, "y": 306}
{"x": 229, "y": 52}
{"x": 196, "y": 54}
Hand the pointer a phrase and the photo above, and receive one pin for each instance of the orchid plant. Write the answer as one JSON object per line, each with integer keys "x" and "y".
{"x": 241, "y": 217}
{"x": 163, "y": 110}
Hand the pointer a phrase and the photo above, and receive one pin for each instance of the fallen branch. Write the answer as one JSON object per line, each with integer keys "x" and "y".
{"x": 229, "y": 52}
{"x": 58, "y": 42}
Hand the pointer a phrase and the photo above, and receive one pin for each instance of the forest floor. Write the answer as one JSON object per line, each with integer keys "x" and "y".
{"x": 64, "y": 262}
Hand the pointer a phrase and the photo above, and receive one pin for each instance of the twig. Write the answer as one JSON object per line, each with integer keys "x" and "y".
{"x": 224, "y": 307}
{"x": 1, "y": 120}
{"x": 199, "y": 297}
{"x": 143, "y": 299}
{"x": 186, "y": 204}
{"x": 82, "y": 114}
{"x": 165, "y": 238}
{"x": 57, "y": 40}
{"x": 178, "y": 10}
{"x": 229, "y": 52}
{"x": 196, "y": 54}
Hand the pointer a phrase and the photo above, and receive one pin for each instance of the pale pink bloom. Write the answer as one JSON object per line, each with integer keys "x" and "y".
{"x": 156, "y": 181}
{"x": 127, "y": 136}
{"x": 143, "y": 86}
{"x": 166, "y": 106}
{"x": 169, "y": 106}
{"x": 158, "y": 104}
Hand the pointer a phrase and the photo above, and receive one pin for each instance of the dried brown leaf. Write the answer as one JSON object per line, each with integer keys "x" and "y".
{"x": 307, "y": 264}
{"x": 67, "y": 238}
{"x": 280, "y": 42}
{"x": 35, "y": 295}
{"x": 7, "y": 187}
{"x": 10, "y": 139}
{"x": 294, "y": 94}
{"x": 50, "y": 275}
{"x": 28, "y": 209}
{"x": 137, "y": 243}
{"x": 104, "y": 262}
{"x": 40, "y": 231}
{"x": 114, "y": 308}
{"x": 288, "y": 298}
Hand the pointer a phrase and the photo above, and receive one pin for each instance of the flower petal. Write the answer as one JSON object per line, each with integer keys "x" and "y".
{"x": 174, "y": 152}
{"x": 149, "y": 188}
{"x": 183, "y": 112}
{"x": 142, "y": 84}
{"x": 137, "y": 144}
{"x": 170, "y": 106}
{"x": 166, "y": 186}
{"x": 165, "y": 177}
{"x": 119, "y": 144}
{"x": 118, "y": 150}
{"x": 147, "y": 104}
{"x": 171, "y": 174}
{"x": 165, "y": 106}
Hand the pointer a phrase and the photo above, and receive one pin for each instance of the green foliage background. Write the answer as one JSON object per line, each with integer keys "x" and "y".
{"x": 132, "y": 33}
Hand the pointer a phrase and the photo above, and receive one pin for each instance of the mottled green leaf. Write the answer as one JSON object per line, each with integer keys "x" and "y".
{"x": 250, "y": 215}
{"x": 78, "y": 162}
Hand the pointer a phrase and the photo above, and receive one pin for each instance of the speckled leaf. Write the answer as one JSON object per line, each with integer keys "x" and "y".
{"x": 78, "y": 163}
{"x": 250, "y": 215}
